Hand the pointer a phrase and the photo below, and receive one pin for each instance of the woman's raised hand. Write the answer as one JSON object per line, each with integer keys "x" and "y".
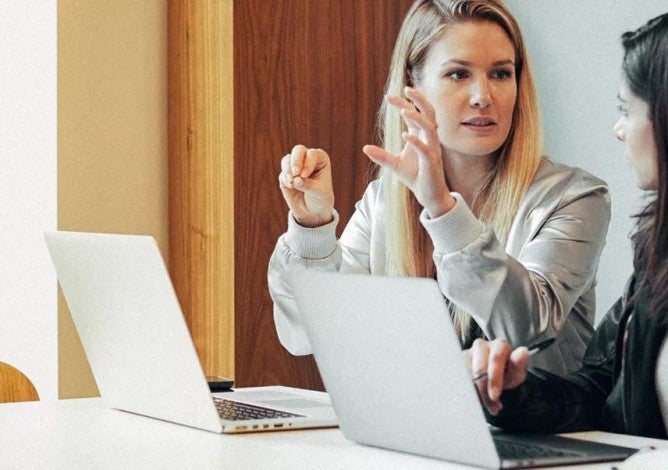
{"x": 420, "y": 164}
{"x": 306, "y": 183}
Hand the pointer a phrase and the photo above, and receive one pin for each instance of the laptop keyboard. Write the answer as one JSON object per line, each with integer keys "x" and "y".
{"x": 235, "y": 411}
{"x": 517, "y": 450}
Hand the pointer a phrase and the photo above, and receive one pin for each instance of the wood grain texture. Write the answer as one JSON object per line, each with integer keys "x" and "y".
{"x": 201, "y": 195}
{"x": 15, "y": 386}
{"x": 309, "y": 72}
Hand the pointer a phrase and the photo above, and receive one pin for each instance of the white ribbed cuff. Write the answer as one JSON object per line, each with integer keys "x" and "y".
{"x": 311, "y": 243}
{"x": 454, "y": 230}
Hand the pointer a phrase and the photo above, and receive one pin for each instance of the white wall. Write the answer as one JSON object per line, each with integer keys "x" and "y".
{"x": 576, "y": 55}
{"x": 28, "y": 190}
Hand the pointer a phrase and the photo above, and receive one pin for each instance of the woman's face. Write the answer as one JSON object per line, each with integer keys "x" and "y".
{"x": 635, "y": 129}
{"x": 469, "y": 79}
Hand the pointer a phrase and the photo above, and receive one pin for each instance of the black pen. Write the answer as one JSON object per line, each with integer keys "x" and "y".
{"x": 533, "y": 349}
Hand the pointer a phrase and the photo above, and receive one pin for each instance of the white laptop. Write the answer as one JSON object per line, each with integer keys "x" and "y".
{"x": 139, "y": 347}
{"x": 393, "y": 367}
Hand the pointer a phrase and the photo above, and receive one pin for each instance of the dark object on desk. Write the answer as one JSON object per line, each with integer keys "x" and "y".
{"x": 219, "y": 384}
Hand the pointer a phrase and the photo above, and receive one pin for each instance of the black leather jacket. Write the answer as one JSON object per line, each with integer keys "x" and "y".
{"x": 613, "y": 391}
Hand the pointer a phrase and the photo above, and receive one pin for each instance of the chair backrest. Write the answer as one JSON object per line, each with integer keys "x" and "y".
{"x": 15, "y": 386}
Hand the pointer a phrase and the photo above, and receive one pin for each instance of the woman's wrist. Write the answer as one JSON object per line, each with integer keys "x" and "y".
{"x": 440, "y": 207}
{"x": 311, "y": 243}
{"x": 315, "y": 221}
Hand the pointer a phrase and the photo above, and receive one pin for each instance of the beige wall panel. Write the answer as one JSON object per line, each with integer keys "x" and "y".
{"x": 112, "y": 136}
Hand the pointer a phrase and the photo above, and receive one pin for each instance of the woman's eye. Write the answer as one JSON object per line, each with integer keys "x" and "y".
{"x": 622, "y": 110}
{"x": 457, "y": 75}
{"x": 502, "y": 74}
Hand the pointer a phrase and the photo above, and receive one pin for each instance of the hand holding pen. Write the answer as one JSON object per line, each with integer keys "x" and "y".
{"x": 533, "y": 349}
{"x": 496, "y": 366}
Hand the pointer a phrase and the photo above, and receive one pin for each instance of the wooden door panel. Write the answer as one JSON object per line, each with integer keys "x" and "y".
{"x": 309, "y": 72}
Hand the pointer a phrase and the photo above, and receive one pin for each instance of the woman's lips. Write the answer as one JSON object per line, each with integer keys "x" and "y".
{"x": 479, "y": 124}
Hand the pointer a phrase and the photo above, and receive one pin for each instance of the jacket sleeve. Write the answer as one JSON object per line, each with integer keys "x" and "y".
{"x": 546, "y": 402}
{"x": 315, "y": 248}
{"x": 662, "y": 381}
{"x": 522, "y": 298}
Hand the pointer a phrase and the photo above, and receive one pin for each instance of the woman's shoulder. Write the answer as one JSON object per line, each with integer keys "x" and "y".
{"x": 372, "y": 200}
{"x": 563, "y": 184}
{"x": 373, "y": 192}
{"x": 556, "y": 186}
{"x": 551, "y": 172}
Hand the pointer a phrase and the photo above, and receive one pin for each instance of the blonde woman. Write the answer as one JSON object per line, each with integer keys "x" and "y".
{"x": 463, "y": 194}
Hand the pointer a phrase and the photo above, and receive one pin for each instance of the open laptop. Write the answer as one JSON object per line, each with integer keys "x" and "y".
{"x": 392, "y": 364}
{"x": 139, "y": 347}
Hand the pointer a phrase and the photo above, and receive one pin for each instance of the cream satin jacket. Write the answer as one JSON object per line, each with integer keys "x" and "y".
{"x": 539, "y": 285}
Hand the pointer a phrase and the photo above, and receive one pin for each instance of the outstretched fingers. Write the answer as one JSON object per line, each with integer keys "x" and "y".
{"x": 421, "y": 103}
{"x": 419, "y": 117}
{"x": 421, "y": 146}
{"x": 381, "y": 157}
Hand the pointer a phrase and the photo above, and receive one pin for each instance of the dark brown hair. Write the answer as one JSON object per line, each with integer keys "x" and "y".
{"x": 645, "y": 67}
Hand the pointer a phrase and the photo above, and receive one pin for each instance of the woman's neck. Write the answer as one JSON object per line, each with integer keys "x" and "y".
{"x": 467, "y": 174}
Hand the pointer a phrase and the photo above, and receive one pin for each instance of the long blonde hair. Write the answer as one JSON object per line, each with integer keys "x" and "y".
{"x": 409, "y": 249}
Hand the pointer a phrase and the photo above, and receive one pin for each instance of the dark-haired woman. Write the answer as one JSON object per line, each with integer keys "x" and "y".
{"x": 623, "y": 384}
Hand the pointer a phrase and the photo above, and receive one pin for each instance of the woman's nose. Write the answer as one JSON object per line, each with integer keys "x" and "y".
{"x": 619, "y": 131}
{"x": 480, "y": 94}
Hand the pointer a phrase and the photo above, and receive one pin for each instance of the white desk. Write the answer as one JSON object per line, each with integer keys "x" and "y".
{"x": 72, "y": 434}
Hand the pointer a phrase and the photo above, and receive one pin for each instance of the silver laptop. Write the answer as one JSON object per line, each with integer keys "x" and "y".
{"x": 139, "y": 347}
{"x": 393, "y": 367}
